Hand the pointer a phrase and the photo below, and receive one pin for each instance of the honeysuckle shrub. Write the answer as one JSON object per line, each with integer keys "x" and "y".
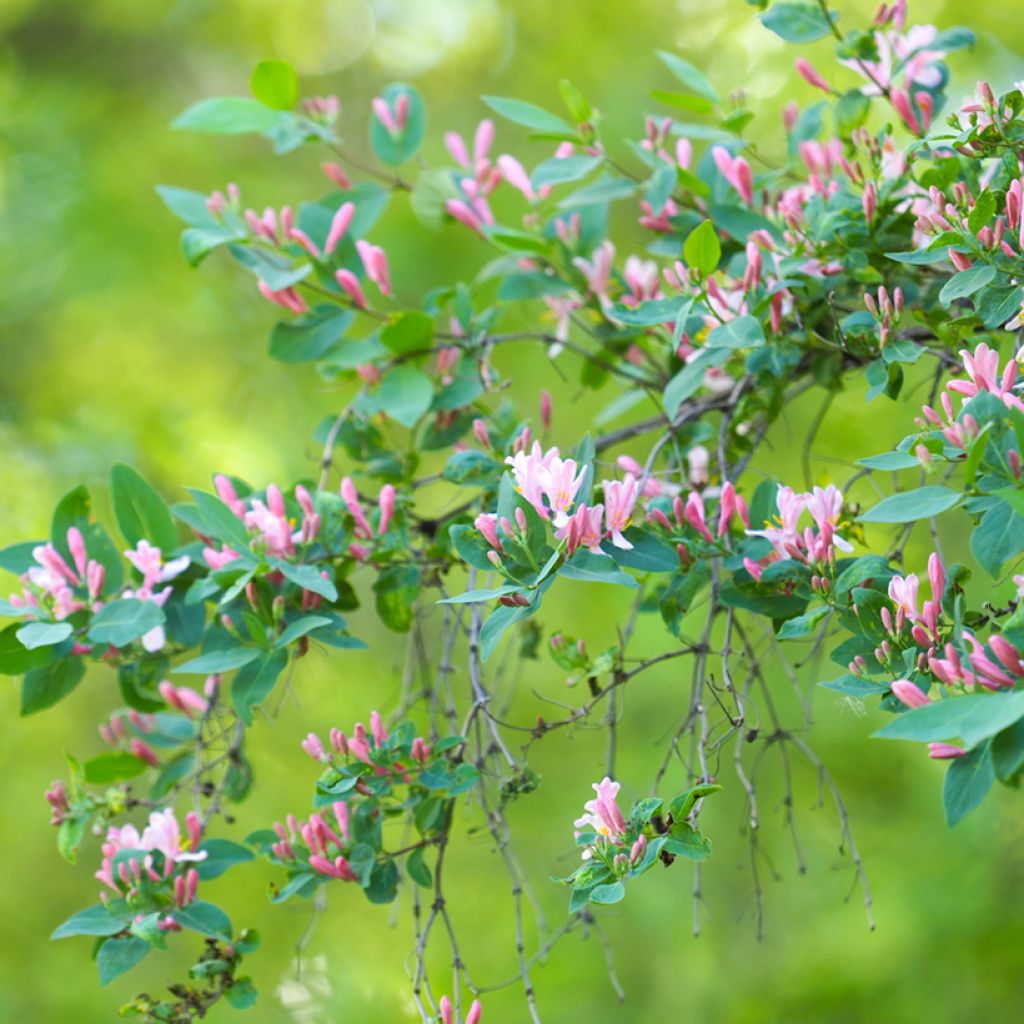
{"x": 701, "y": 286}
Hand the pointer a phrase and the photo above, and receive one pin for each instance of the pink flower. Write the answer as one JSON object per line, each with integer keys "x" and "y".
{"x": 983, "y": 369}
{"x": 620, "y": 500}
{"x": 603, "y": 815}
{"x": 598, "y": 269}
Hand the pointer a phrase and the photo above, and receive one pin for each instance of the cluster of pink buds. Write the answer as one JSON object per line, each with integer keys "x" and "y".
{"x": 317, "y": 843}
{"x": 322, "y": 109}
{"x": 393, "y": 116}
{"x": 53, "y": 587}
{"x": 57, "y": 798}
{"x": 162, "y": 835}
{"x": 1005, "y": 671}
{"x": 361, "y": 745}
{"x": 732, "y": 508}
{"x": 447, "y": 1012}
{"x": 116, "y": 734}
{"x": 183, "y": 699}
{"x": 887, "y": 311}
{"x": 218, "y": 203}
{"x": 483, "y": 178}
{"x": 958, "y": 433}
{"x": 363, "y": 530}
{"x": 736, "y": 172}
{"x": 267, "y": 520}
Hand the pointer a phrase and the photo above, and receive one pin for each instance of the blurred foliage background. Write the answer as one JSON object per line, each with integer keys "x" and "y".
{"x": 112, "y": 348}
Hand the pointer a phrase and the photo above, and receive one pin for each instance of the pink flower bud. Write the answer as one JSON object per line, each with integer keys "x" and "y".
{"x": 545, "y": 410}
{"x": 334, "y": 173}
{"x": 76, "y": 545}
{"x": 447, "y": 1013}
{"x": 339, "y": 225}
{"x": 386, "y": 501}
{"x": 473, "y": 1017}
{"x": 909, "y": 693}
{"x": 314, "y": 747}
{"x": 144, "y": 753}
{"x": 349, "y": 283}
{"x": 945, "y": 751}
{"x": 807, "y": 71}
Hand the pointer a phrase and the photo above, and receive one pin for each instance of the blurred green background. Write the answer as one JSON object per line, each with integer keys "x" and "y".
{"x": 112, "y": 348}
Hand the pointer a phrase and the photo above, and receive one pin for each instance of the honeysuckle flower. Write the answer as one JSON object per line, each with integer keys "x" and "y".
{"x": 603, "y": 816}
{"x": 620, "y": 499}
{"x": 642, "y": 279}
{"x": 562, "y": 307}
{"x": 559, "y": 483}
{"x": 982, "y": 367}
{"x": 148, "y": 559}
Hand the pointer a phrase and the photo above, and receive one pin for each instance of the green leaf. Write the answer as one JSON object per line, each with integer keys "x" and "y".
{"x": 649, "y": 313}
{"x": 204, "y": 918}
{"x": 920, "y": 257}
{"x": 255, "y": 681}
{"x": 218, "y": 661}
{"x": 121, "y": 622}
{"x": 529, "y": 115}
{"x": 242, "y": 994}
{"x": 967, "y": 282}
{"x": 802, "y": 625}
{"x": 275, "y": 84}
{"x": 612, "y": 892}
{"x": 410, "y": 331}
{"x": 221, "y": 856}
{"x": 998, "y": 537}
{"x": 220, "y": 522}
{"x": 228, "y": 115}
{"x": 688, "y": 74}
{"x": 982, "y": 212}
{"x": 921, "y": 503}
{"x": 396, "y": 589}
{"x": 530, "y": 285}
{"x": 43, "y": 634}
{"x": 743, "y": 332}
{"x": 890, "y": 461}
{"x": 140, "y": 511}
{"x": 559, "y": 170}
{"x": 307, "y": 577}
{"x": 971, "y": 717}
{"x": 691, "y": 377}
{"x": 113, "y": 766}
{"x": 702, "y": 249}
{"x": 417, "y": 870}
{"x": 968, "y": 780}
{"x": 311, "y": 338}
{"x": 405, "y": 395}
{"x": 587, "y": 567}
{"x": 43, "y": 687}
{"x": 686, "y": 841}
{"x": 15, "y": 658}
{"x": 798, "y": 22}
{"x": 97, "y": 920}
{"x": 683, "y": 101}
{"x": 1008, "y": 752}
{"x": 116, "y": 956}
{"x": 997, "y": 306}
{"x": 300, "y": 627}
